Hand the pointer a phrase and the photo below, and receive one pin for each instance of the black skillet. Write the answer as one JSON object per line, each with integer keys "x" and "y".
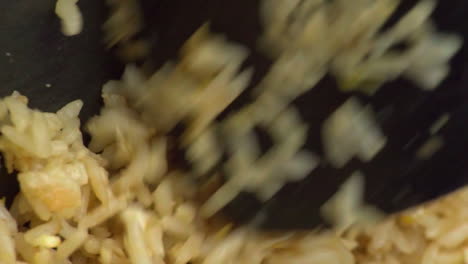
{"x": 35, "y": 55}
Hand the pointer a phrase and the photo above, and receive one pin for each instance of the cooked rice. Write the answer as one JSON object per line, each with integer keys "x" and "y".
{"x": 121, "y": 202}
{"x": 351, "y": 131}
{"x": 345, "y": 37}
{"x": 70, "y": 15}
{"x": 430, "y": 147}
{"x": 439, "y": 124}
{"x": 347, "y": 208}
{"x": 124, "y": 22}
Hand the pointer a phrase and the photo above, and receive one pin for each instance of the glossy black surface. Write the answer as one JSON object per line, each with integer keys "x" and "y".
{"x": 34, "y": 53}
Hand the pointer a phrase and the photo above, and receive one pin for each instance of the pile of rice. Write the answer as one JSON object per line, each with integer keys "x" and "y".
{"x": 118, "y": 200}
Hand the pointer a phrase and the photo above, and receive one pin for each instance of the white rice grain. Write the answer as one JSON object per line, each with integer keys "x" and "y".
{"x": 70, "y": 15}
{"x": 134, "y": 240}
{"x": 7, "y": 244}
{"x": 71, "y": 244}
